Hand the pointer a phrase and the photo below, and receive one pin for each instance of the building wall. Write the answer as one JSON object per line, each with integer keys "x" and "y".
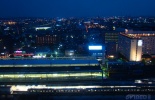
{"x": 133, "y": 50}
{"x": 129, "y": 48}
{"x": 111, "y": 42}
{"x": 148, "y": 38}
{"x": 136, "y": 50}
{"x": 148, "y": 45}
{"x": 124, "y": 46}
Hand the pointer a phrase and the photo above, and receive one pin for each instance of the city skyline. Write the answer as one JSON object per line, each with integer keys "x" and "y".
{"x": 73, "y": 49}
{"x": 76, "y": 8}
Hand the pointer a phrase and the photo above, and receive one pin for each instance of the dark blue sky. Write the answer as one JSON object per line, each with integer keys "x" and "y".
{"x": 73, "y": 8}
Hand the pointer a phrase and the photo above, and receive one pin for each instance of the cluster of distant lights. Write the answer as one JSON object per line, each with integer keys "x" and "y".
{"x": 138, "y": 35}
{"x": 10, "y": 23}
{"x": 39, "y": 56}
{"x": 25, "y": 88}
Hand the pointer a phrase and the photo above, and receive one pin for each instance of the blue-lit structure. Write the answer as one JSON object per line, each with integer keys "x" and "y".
{"x": 97, "y": 51}
{"x": 48, "y": 62}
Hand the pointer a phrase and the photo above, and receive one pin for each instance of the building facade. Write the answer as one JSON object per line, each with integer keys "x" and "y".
{"x": 111, "y": 43}
{"x": 130, "y": 47}
{"x": 148, "y": 38}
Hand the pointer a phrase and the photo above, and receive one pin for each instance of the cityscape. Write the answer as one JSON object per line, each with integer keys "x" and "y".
{"x": 109, "y": 57}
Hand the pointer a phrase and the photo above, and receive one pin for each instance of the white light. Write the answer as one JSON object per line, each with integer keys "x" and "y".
{"x": 41, "y": 28}
{"x": 2, "y": 53}
{"x": 36, "y": 56}
{"x": 95, "y": 47}
{"x": 70, "y": 54}
{"x": 25, "y": 88}
{"x": 149, "y": 82}
{"x": 140, "y": 42}
{"x": 55, "y": 74}
{"x": 111, "y": 56}
{"x": 138, "y": 81}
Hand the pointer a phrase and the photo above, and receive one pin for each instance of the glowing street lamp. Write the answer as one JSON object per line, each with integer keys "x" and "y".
{"x": 56, "y": 53}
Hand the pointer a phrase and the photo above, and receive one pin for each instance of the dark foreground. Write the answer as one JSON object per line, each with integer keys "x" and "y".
{"x": 79, "y": 97}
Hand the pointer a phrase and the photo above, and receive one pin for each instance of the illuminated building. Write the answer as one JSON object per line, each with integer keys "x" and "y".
{"x": 97, "y": 51}
{"x": 148, "y": 38}
{"x": 130, "y": 47}
{"x": 53, "y": 76}
{"x": 69, "y": 52}
{"x": 50, "y": 70}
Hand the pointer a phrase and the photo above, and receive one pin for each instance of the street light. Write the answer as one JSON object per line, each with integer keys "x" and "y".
{"x": 56, "y": 53}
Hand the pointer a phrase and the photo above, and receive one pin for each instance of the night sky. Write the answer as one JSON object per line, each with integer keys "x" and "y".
{"x": 76, "y": 8}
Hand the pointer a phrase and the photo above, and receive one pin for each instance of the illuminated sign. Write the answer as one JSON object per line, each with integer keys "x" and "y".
{"x": 140, "y": 42}
{"x": 95, "y": 47}
{"x": 42, "y": 28}
{"x": 18, "y": 51}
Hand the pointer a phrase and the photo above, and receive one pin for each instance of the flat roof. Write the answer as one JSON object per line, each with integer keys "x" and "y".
{"x": 27, "y": 62}
{"x": 137, "y": 35}
{"x": 39, "y": 70}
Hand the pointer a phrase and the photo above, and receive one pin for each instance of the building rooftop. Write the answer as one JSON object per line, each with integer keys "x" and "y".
{"x": 48, "y": 62}
{"x": 132, "y": 36}
{"x": 48, "y": 69}
{"x": 138, "y": 35}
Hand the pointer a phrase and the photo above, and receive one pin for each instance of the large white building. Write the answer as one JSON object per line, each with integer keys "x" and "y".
{"x": 130, "y": 47}
{"x": 148, "y": 38}
{"x": 133, "y": 44}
